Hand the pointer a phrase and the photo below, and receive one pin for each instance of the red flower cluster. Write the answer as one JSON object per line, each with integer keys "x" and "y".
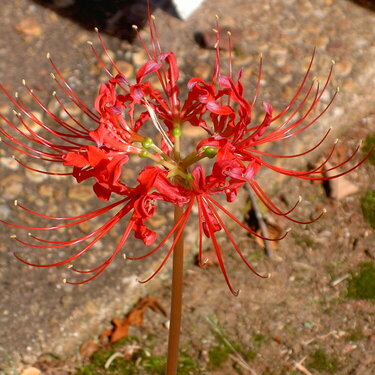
{"x": 123, "y": 111}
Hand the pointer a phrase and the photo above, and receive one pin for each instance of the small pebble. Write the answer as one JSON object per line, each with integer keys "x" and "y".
{"x": 31, "y": 371}
{"x": 343, "y": 68}
{"x": 81, "y": 193}
{"x": 29, "y": 26}
{"x": 12, "y": 186}
{"x": 126, "y": 69}
{"x": 34, "y": 175}
{"x": 202, "y": 70}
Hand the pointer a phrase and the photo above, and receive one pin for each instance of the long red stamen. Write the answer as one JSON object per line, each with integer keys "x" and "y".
{"x": 218, "y": 252}
{"x": 240, "y": 223}
{"x": 185, "y": 217}
{"x": 227, "y": 232}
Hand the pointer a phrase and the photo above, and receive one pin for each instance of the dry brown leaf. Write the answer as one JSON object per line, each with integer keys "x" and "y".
{"x": 87, "y": 349}
{"x": 341, "y": 187}
{"x": 273, "y": 232}
{"x": 209, "y": 258}
{"x": 338, "y": 188}
{"x": 120, "y": 329}
{"x": 133, "y": 318}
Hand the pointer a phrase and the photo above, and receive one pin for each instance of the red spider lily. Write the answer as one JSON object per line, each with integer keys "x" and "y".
{"x": 97, "y": 152}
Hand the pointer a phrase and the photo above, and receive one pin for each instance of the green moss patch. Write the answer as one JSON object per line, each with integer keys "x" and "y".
{"x": 368, "y": 144}
{"x": 218, "y": 355}
{"x": 143, "y": 361}
{"x": 323, "y": 363}
{"x": 368, "y": 207}
{"x": 362, "y": 284}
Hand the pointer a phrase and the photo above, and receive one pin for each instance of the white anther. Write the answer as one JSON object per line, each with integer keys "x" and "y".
{"x": 52, "y": 75}
{"x": 24, "y": 82}
{"x": 288, "y": 230}
{"x": 96, "y": 29}
{"x": 300, "y": 199}
{"x": 333, "y": 62}
{"x": 16, "y": 94}
{"x": 64, "y": 281}
{"x": 70, "y": 266}
{"x": 124, "y": 256}
{"x": 135, "y": 27}
{"x": 324, "y": 210}
{"x": 89, "y": 42}
{"x": 13, "y": 236}
{"x": 15, "y": 202}
{"x": 48, "y": 55}
{"x": 338, "y": 89}
{"x": 229, "y": 33}
{"x": 153, "y": 17}
{"x": 336, "y": 141}
{"x": 54, "y": 93}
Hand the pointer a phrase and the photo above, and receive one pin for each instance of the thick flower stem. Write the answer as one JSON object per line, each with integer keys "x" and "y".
{"x": 176, "y": 301}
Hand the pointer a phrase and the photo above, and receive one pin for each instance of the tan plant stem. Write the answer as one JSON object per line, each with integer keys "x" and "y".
{"x": 176, "y": 301}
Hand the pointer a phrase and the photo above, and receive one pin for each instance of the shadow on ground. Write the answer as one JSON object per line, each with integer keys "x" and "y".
{"x": 368, "y": 4}
{"x": 114, "y": 17}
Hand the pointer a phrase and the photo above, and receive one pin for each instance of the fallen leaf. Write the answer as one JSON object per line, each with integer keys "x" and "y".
{"x": 341, "y": 187}
{"x": 87, "y": 349}
{"x": 273, "y": 232}
{"x": 209, "y": 259}
{"x": 133, "y": 318}
{"x": 120, "y": 329}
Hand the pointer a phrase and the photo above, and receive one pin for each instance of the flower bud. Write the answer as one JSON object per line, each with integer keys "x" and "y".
{"x": 147, "y": 142}
{"x": 143, "y": 154}
{"x": 209, "y": 152}
{"x": 177, "y": 132}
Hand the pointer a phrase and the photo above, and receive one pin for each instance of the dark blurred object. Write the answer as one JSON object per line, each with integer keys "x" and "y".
{"x": 114, "y": 17}
{"x": 369, "y": 4}
{"x": 207, "y": 39}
